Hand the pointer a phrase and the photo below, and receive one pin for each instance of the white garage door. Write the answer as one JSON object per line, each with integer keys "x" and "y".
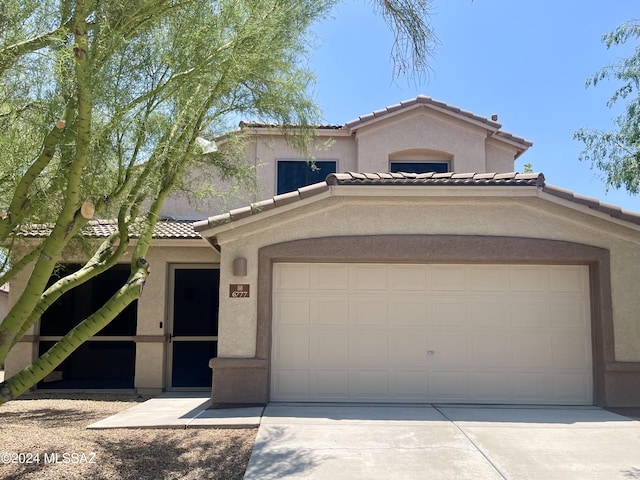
{"x": 431, "y": 333}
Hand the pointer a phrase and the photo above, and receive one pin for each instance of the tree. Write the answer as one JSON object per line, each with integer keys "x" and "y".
{"x": 617, "y": 152}
{"x": 103, "y": 106}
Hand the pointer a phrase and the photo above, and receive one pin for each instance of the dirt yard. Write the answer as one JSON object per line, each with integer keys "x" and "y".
{"x": 44, "y": 437}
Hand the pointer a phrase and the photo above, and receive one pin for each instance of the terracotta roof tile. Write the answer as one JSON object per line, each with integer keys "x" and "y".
{"x": 593, "y": 203}
{"x": 492, "y": 125}
{"x": 423, "y": 100}
{"x": 101, "y": 228}
{"x": 314, "y": 189}
{"x": 446, "y": 178}
{"x": 449, "y": 179}
{"x": 324, "y": 126}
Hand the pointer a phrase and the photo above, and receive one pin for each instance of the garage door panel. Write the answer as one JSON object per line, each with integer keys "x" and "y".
{"x": 292, "y": 311}
{"x": 368, "y": 277}
{"x": 328, "y": 349}
{"x": 449, "y": 312}
{"x": 529, "y": 312}
{"x": 449, "y": 386}
{"x": 291, "y": 349}
{"x": 447, "y": 278}
{"x": 368, "y": 311}
{"x": 431, "y": 333}
{"x": 490, "y": 312}
{"x": 448, "y": 350}
{"x": 532, "y": 387}
{"x": 291, "y": 384}
{"x": 330, "y": 277}
{"x": 569, "y": 313}
{"x": 489, "y": 279}
{"x": 528, "y": 279}
{"x": 532, "y": 351}
{"x": 329, "y": 311}
{"x": 491, "y": 350}
{"x": 370, "y": 384}
{"x": 404, "y": 278}
{"x": 292, "y": 276}
{"x": 570, "y": 352}
{"x": 567, "y": 279}
{"x": 571, "y": 387}
{"x": 331, "y": 385}
{"x": 408, "y": 350}
{"x": 490, "y": 386}
{"x": 407, "y": 311}
{"x": 408, "y": 385}
{"x": 368, "y": 348}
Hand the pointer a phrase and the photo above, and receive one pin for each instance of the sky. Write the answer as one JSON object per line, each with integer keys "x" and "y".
{"x": 526, "y": 61}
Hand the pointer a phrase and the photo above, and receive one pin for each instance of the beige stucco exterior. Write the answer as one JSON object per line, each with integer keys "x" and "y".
{"x": 371, "y": 212}
{"x": 418, "y": 130}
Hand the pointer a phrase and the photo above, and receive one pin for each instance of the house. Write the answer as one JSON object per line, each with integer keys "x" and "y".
{"x": 422, "y": 283}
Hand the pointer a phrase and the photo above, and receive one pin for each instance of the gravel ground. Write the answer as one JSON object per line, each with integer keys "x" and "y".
{"x": 49, "y": 431}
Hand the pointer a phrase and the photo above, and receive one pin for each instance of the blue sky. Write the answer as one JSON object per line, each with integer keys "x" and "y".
{"x": 526, "y": 61}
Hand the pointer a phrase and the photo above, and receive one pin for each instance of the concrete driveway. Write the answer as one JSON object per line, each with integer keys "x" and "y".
{"x": 443, "y": 442}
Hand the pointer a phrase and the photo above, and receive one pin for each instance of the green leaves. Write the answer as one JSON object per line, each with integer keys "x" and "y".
{"x": 617, "y": 152}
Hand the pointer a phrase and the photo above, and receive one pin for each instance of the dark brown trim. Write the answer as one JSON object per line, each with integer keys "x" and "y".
{"x": 454, "y": 249}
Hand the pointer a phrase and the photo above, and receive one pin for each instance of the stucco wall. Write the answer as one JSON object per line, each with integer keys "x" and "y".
{"x": 421, "y": 129}
{"x": 467, "y": 146}
{"x": 270, "y": 148}
{"x": 500, "y": 156}
{"x": 519, "y": 216}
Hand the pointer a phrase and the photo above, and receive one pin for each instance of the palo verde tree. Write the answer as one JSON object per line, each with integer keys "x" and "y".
{"x": 102, "y": 104}
{"x": 617, "y": 152}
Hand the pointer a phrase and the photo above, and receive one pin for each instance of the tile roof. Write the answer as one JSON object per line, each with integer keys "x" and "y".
{"x": 432, "y": 178}
{"x": 423, "y": 100}
{"x": 100, "y": 228}
{"x": 593, "y": 203}
{"x": 325, "y": 126}
{"x": 450, "y": 179}
{"x": 420, "y": 100}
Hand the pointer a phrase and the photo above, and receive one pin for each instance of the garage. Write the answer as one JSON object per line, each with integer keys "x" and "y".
{"x": 456, "y": 333}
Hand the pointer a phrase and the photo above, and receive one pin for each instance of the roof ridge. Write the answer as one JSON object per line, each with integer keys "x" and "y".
{"x": 447, "y": 178}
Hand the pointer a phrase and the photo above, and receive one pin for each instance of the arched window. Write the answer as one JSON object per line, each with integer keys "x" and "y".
{"x": 420, "y": 161}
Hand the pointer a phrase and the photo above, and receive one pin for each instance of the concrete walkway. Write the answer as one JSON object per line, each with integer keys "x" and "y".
{"x": 327, "y": 442}
{"x": 375, "y": 442}
{"x": 181, "y": 410}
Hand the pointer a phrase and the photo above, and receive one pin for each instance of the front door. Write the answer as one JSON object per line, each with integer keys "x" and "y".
{"x": 193, "y": 325}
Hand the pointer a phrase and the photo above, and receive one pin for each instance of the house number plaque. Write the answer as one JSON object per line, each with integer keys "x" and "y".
{"x": 239, "y": 290}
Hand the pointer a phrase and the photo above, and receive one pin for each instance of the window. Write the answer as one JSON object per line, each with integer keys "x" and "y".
{"x": 419, "y": 167}
{"x": 293, "y": 174}
{"x": 107, "y": 360}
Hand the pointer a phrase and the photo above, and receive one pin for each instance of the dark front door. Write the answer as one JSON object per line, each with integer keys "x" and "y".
{"x": 193, "y": 326}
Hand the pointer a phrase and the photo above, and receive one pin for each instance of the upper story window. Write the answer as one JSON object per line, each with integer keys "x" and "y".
{"x": 419, "y": 167}
{"x": 293, "y": 174}
{"x": 420, "y": 161}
